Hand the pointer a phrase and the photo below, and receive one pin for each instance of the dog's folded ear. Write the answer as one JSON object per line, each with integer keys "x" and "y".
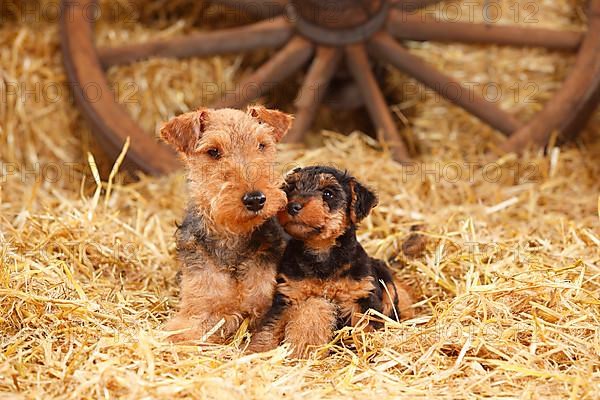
{"x": 362, "y": 201}
{"x": 279, "y": 121}
{"x": 185, "y": 130}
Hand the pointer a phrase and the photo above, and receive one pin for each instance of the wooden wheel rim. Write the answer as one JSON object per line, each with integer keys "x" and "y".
{"x": 566, "y": 112}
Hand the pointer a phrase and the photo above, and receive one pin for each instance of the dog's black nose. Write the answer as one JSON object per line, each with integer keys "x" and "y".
{"x": 254, "y": 201}
{"x": 294, "y": 208}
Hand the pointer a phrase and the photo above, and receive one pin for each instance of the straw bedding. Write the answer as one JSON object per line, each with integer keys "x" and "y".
{"x": 508, "y": 286}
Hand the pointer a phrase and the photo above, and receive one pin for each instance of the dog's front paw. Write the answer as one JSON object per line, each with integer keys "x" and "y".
{"x": 182, "y": 329}
{"x": 205, "y": 329}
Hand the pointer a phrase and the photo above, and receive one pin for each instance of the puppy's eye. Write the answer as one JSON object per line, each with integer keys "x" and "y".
{"x": 261, "y": 146}
{"x": 214, "y": 153}
{"x": 327, "y": 194}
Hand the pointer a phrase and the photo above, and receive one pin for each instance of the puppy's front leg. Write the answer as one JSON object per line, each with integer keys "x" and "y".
{"x": 310, "y": 323}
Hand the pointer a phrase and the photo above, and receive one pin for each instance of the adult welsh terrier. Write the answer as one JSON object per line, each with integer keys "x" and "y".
{"x": 229, "y": 243}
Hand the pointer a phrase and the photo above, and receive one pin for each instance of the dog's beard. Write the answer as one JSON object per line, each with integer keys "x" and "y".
{"x": 229, "y": 213}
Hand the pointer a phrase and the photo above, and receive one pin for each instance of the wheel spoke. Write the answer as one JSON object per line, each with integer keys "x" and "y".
{"x": 570, "y": 108}
{"x": 284, "y": 63}
{"x": 312, "y": 91}
{"x": 358, "y": 63}
{"x": 415, "y": 27}
{"x": 264, "y": 34}
{"x": 110, "y": 122}
{"x": 258, "y": 8}
{"x": 387, "y": 49}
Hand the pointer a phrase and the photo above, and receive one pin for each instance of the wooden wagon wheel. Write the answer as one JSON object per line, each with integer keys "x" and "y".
{"x": 331, "y": 33}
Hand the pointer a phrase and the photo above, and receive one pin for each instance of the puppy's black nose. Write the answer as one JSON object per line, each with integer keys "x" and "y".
{"x": 254, "y": 201}
{"x": 294, "y": 208}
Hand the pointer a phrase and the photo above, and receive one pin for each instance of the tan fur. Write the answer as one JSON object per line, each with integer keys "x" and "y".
{"x": 211, "y": 293}
{"x": 405, "y": 300}
{"x": 211, "y": 289}
{"x": 278, "y": 121}
{"x": 335, "y": 226}
{"x": 184, "y": 131}
{"x": 311, "y": 323}
{"x": 312, "y": 314}
{"x": 320, "y": 288}
{"x": 314, "y": 212}
{"x": 342, "y": 291}
{"x": 314, "y": 215}
{"x": 315, "y": 225}
{"x": 205, "y": 299}
{"x": 339, "y": 290}
{"x": 217, "y": 185}
{"x": 353, "y": 217}
{"x": 269, "y": 337}
{"x": 307, "y": 323}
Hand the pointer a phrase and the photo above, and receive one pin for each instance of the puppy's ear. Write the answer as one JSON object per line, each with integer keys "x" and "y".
{"x": 279, "y": 121}
{"x": 290, "y": 179}
{"x": 293, "y": 176}
{"x": 184, "y": 131}
{"x": 362, "y": 201}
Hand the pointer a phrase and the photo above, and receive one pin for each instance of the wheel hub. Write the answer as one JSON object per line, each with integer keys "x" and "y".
{"x": 337, "y": 39}
{"x": 338, "y": 22}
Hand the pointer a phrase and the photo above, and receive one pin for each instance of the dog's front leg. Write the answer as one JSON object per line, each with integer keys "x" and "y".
{"x": 209, "y": 308}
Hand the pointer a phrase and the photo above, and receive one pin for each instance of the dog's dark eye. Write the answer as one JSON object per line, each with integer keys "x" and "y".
{"x": 214, "y": 153}
{"x": 327, "y": 194}
{"x": 261, "y": 146}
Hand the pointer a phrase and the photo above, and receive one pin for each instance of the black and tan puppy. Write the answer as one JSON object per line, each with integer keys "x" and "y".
{"x": 326, "y": 279}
